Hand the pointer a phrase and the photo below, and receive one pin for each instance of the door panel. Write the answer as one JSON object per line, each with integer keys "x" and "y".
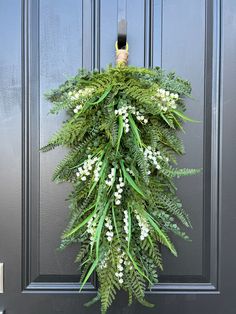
{"x": 60, "y": 42}
{"x": 44, "y": 43}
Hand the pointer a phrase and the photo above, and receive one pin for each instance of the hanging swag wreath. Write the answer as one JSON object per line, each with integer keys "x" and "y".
{"x": 122, "y": 138}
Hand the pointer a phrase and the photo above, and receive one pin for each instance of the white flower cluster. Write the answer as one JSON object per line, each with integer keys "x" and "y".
{"x": 140, "y": 117}
{"x": 82, "y": 93}
{"x": 103, "y": 263}
{"x": 111, "y": 177}
{"x": 128, "y": 264}
{"x": 152, "y": 157}
{"x": 119, "y": 274}
{"x": 109, "y": 226}
{"x": 97, "y": 171}
{"x": 119, "y": 191}
{"x": 166, "y": 98}
{"x": 126, "y": 223}
{"x": 85, "y": 170}
{"x": 123, "y": 111}
{"x": 77, "y": 108}
{"x": 130, "y": 171}
{"x": 91, "y": 228}
{"x": 143, "y": 226}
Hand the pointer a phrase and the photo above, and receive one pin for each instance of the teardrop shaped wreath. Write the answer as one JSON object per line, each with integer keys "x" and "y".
{"x": 122, "y": 138}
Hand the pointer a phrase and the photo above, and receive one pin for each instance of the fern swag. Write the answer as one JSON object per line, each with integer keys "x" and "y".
{"x": 122, "y": 138}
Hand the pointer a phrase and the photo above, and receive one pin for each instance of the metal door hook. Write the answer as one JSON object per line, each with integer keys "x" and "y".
{"x": 122, "y": 34}
{"x": 122, "y": 25}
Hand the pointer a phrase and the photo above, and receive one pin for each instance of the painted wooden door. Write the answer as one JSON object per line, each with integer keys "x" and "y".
{"x": 43, "y": 42}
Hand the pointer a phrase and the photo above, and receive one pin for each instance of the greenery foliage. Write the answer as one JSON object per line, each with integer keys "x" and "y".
{"x": 122, "y": 136}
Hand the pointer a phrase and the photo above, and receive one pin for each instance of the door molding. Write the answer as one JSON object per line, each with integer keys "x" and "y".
{"x": 32, "y": 280}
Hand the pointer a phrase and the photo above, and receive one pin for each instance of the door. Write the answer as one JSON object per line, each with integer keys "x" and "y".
{"x": 43, "y": 42}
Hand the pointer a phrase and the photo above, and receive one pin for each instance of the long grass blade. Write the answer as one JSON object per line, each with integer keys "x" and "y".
{"x": 120, "y": 132}
{"x": 102, "y": 97}
{"x": 184, "y": 117}
{"x": 135, "y": 130}
{"x": 130, "y": 180}
{"x": 68, "y": 234}
{"x": 137, "y": 267}
{"x": 160, "y": 233}
{"x": 92, "y": 268}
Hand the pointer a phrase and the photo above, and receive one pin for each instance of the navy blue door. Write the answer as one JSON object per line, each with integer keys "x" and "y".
{"x": 43, "y": 42}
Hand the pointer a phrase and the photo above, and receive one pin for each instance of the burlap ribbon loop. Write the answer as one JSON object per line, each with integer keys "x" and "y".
{"x": 122, "y": 55}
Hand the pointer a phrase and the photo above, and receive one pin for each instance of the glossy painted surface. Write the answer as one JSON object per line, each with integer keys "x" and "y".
{"x": 44, "y": 42}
